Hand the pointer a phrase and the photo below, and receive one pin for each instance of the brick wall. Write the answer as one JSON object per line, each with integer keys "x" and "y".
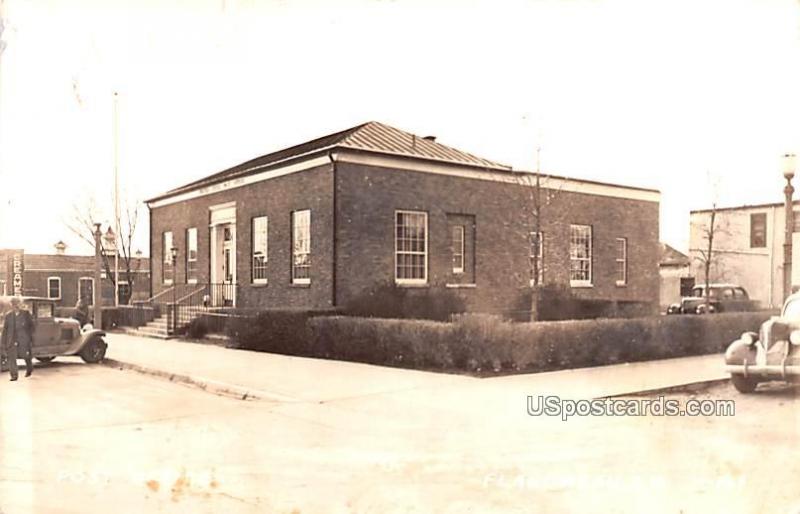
{"x": 275, "y": 198}
{"x": 367, "y": 198}
{"x": 364, "y": 203}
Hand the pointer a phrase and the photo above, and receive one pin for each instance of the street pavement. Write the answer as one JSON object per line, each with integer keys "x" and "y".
{"x": 349, "y": 438}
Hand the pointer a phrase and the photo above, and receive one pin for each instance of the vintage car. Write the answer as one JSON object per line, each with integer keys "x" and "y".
{"x": 772, "y": 354}
{"x": 722, "y": 298}
{"x": 56, "y": 336}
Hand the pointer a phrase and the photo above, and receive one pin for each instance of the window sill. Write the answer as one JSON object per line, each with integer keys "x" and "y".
{"x": 412, "y": 284}
{"x": 260, "y": 283}
{"x": 191, "y": 281}
{"x": 461, "y": 286}
{"x": 300, "y": 285}
{"x": 581, "y": 285}
{"x": 622, "y": 284}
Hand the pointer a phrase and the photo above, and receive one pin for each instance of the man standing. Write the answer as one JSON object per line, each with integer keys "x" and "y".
{"x": 18, "y": 328}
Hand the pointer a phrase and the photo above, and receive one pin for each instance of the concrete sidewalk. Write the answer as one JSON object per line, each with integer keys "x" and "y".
{"x": 255, "y": 375}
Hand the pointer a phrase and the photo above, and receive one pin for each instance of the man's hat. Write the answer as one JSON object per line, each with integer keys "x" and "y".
{"x": 16, "y": 300}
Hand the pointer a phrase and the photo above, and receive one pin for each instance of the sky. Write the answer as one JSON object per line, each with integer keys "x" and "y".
{"x": 698, "y": 99}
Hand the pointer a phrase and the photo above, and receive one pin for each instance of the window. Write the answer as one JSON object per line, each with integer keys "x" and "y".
{"x": 54, "y": 288}
{"x": 758, "y": 230}
{"x": 457, "y": 240}
{"x": 301, "y": 247}
{"x": 622, "y": 261}
{"x": 44, "y": 311}
{"x": 259, "y": 244}
{"x": 191, "y": 256}
{"x": 580, "y": 255}
{"x": 86, "y": 290}
{"x": 536, "y": 258}
{"x": 411, "y": 247}
{"x": 124, "y": 292}
{"x": 167, "y": 273}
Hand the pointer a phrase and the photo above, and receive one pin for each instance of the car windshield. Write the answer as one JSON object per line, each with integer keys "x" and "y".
{"x": 792, "y": 310}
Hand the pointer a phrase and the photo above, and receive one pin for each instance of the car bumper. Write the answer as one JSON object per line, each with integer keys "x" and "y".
{"x": 778, "y": 371}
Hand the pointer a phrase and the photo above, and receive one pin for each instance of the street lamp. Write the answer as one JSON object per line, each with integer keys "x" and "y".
{"x": 174, "y": 254}
{"x": 789, "y": 166}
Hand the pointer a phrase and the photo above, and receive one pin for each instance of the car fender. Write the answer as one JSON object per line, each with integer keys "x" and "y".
{"x": 739, "y": 351}
{"x": 83, "y": 340}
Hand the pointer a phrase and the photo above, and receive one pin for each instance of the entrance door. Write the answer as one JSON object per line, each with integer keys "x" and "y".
{"x": 223, "y": 264}
{"x": 228, "y": 266}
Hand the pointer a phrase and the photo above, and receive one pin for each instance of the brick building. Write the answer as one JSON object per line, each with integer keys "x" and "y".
{"x": 316, "y": 225}
{"x": 64, "y": 277}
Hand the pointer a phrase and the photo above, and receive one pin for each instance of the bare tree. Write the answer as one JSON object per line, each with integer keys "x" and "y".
{"x": 537, "y": 197}
{"x": 706, "y": 256}
{"x": 81, "y": 223}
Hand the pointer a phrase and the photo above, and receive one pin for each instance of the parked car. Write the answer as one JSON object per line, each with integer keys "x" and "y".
{"x": 57, "y": 336}
{"x": 722, "y": 298}
{"x": 771, "y": 354}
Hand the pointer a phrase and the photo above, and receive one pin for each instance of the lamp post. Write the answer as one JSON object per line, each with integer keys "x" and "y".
{"x": 97, "y": 287}
{"x": 174, "y": 254}
{"x": 789, "y": 165}
{"x": 111, "y": 246}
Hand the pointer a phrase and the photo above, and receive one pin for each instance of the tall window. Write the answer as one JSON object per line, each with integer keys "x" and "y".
{"x": 758, "y": 230}
{"x": 167, "y": 273}
{"x": 301, "y": 247}
{"x": 191, "y": 256}
{"x": 580, "y": 255}
{"x": 536, "y": 257}
{"x": 86, "y": 290}
{"x": 411, "y": 247}
{"x": 622, "y": 261}
{"x": 258, "y": 228}
{"x": 54, "y": 287}
{"x": 457, "y": 242}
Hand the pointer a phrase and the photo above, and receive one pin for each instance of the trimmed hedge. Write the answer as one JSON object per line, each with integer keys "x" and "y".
{"x": 482, "y": 343}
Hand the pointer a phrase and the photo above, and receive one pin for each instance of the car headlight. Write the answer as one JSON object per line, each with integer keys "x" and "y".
{"x": 794, "y": 337}
{"x": 750, "y": 338}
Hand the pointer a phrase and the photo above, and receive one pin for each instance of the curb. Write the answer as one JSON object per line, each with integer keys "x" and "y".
{"x": 206, "y": 384}
{"x": 687, "y": 387}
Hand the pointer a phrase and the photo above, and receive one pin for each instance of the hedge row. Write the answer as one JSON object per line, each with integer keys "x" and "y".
{"x": 485, "y": 343}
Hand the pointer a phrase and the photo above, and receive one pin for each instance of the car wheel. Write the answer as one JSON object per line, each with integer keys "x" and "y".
{"x": 44, "y": 359}
{"x": 94, "y": 351}
{"x": 743, "y": 384}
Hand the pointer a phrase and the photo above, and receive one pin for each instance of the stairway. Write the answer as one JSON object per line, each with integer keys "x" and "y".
{"x": 158, "y": 328}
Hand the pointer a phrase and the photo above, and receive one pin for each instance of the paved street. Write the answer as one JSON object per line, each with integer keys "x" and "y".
{"x": 80, "y": 438}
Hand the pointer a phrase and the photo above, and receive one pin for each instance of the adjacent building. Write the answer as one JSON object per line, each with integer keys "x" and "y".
{"x": 747, "y": 249}
{"x": 65, "y": 278}
{"x": 317, "y": 225}
{"x": 676, "y": 275}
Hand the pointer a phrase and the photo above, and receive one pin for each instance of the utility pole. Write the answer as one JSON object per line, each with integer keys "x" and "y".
{"x": 116, "y": 200}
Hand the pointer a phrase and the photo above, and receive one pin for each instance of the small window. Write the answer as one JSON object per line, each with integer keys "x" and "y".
{"x": 411, "y": 247}
{"x": 259, "y": 228}
{"x": 44, "y": 311}
{"x": 457, "y": 241}
{"x": 622, "y": 261}
{"x": 740, "y": 293}
{"x": 758, "y": 230}
{"x": 191, "y": 256}
{"x": 301, "y": 247}
{"x": 54, "y": 288}
{"x": 580, "y": 255}
{"x": 86, "y": 290}
{"x": 167, "y": 271}
{"x": 124, "y": 292}
{"x": 536, "y": 258}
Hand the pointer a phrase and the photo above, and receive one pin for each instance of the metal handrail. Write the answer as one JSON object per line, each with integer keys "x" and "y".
{"x": 186, "y": 297}
{"x": 151, "y": 299}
